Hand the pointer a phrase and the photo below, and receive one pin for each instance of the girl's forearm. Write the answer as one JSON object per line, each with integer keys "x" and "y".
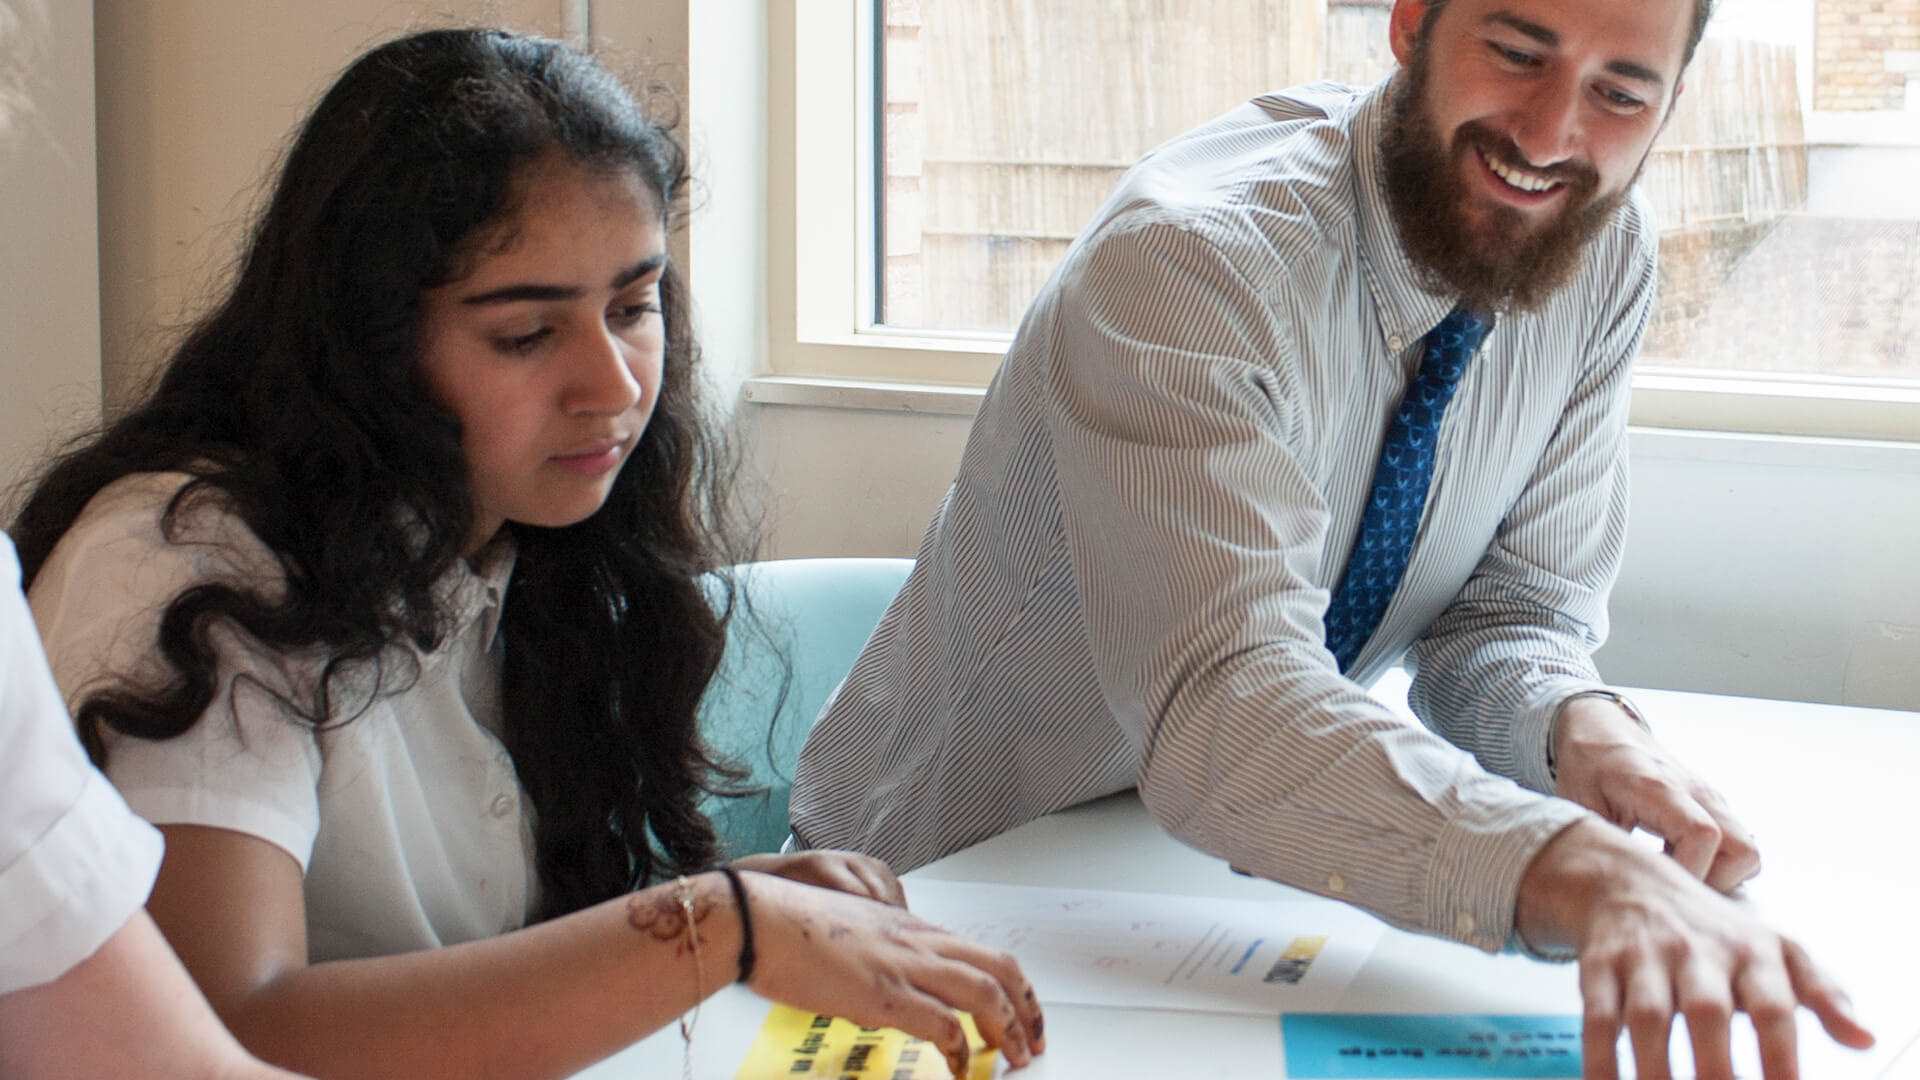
{"x": 546, "y": 1001}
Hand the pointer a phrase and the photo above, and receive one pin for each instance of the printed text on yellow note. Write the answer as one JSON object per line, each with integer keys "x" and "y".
{"x": 794, "y": 1044}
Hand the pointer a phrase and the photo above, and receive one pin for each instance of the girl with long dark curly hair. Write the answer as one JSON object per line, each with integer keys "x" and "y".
{"x": 387, "y": 606}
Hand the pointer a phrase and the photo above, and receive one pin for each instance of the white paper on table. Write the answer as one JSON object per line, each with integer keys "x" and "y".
{"x": 1905, "y": 1063}
{"x": 1148, "y": 950}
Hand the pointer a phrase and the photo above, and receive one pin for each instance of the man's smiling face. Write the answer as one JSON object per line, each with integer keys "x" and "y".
{"x": 1517, "y": 127}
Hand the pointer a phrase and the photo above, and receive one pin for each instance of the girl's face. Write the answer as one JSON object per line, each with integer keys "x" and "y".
{"x": 549, "y": 350}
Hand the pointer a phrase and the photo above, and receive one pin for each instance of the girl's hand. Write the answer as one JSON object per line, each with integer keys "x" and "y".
{"x": 841, "y": 871}
{"x": 879, "y": 966}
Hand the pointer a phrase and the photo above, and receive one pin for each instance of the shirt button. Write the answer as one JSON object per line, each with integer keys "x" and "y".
{"x": 1464, "y": 923}
{"x": 1336, "y": 883}
{"x": 1396, "y": 343}
{"x": 502, "y": 805}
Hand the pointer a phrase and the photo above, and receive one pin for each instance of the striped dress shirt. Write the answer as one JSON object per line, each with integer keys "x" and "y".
{"x": 1125, "y": 584}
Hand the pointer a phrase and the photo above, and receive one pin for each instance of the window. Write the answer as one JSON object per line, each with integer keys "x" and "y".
{"x": 984, "y": 134}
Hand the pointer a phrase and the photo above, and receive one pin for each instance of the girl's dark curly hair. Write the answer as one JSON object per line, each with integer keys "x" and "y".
{"x": 298, "y": 404}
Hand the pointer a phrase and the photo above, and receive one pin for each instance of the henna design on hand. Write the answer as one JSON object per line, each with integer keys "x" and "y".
{"x": 660, "y": 917}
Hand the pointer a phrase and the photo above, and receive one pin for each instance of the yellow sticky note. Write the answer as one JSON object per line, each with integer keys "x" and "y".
{"x": 794, "y": 1043}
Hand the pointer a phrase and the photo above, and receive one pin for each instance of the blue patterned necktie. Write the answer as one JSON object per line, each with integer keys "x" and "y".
{"x": 1399, "y": 493}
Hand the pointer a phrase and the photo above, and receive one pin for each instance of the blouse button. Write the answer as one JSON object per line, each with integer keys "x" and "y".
{"x": 502, "y": 805}
{"x": 1336, "y": 883}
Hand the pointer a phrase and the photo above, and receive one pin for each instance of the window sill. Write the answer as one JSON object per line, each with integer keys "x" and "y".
{"x": 871, "y": 394}
{"x": 1830, "y": 409}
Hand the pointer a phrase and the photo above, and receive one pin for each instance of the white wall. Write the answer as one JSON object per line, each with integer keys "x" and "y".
{"x": 1851, "y": 181}
{"x": 1780, "y": 568}
{"x": 49, "y": 268}
{"x": 853, "y": 481}
{"x": 191, "y": 127}
{"x": 196, "y": 100}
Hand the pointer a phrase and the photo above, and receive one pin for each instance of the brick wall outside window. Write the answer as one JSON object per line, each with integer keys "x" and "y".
{"x": 1865, "y": 52}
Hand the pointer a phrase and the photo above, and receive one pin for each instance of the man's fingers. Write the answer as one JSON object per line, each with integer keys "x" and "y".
{"x": 1693, "y": 836}
{"x": 1648, "y": 1008}
{"x": 1739, "y": 856}
{"x": 1600, "y": 1026}
{"x": 1695, "y": 839}
{"x": 1824, "y": 996}
{"x": 1763, "y": 990}
{"x": 1737, "y": 861}
{"x": 1707, "y": 1002}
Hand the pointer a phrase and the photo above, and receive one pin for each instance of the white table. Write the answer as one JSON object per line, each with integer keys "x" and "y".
{"x": 1831, "y": 793}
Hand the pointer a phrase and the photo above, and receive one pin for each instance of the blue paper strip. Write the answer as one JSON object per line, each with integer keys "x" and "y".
{"x": 1397, "y": 1046}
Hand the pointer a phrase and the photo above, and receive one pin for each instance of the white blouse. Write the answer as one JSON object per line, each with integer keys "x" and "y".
{"x": 407, "y": 819}
{"x": 75, "y": 864}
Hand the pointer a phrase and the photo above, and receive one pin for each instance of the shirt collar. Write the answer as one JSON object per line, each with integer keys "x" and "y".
{"x": 1406, "y": 312}
{"x": 476, "y": 588}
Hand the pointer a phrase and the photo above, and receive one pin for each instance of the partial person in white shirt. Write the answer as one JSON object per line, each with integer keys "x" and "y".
{"x": 389, "y": 606}
{"x": 1339, "y": 379}
{"x": 88, "y": 987}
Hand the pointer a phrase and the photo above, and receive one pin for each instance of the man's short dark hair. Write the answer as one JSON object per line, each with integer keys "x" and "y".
{"x": 1702, "y": 11}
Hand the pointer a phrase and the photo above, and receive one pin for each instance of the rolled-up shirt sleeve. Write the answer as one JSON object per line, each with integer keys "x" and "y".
{"x": 1492, "y": 671}
{"x": 75, "y": 863}
{"x": 1195, "y": 537}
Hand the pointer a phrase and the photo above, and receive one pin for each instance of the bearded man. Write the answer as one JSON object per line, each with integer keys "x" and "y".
{"x": 1335, "y": 381}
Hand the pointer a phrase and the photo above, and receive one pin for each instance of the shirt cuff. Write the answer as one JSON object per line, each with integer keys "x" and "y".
{"x": 75, "y": 888}
{"x": 1473, "y": 882}
{"x": 1533, "y": 727}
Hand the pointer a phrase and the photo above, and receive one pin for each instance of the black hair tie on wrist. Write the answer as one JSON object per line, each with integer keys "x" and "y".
{"x": 746, "y": 922}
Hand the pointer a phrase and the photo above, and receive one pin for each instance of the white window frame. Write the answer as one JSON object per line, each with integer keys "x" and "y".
{"x": 825, "y": 348}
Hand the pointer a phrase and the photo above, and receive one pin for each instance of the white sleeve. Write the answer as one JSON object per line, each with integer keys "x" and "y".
{"x": 249, "y": 764}
{"x": 75, "y": 863}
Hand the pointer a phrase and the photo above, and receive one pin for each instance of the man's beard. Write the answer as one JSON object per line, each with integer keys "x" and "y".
{"x": 1508, "y": 265}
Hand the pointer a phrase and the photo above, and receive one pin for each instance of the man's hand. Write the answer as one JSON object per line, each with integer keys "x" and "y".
{"x": 1655, "y": 944}
{"x": 841, "y": 871}
{"x": 1609, "y": 764}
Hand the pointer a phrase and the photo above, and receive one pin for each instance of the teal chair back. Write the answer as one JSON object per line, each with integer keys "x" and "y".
{"x": 803, "y": 623}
